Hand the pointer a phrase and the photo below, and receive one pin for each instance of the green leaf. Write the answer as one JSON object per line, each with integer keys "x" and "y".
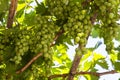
{"x": 95, "y": 33}
{"x": 62, "y": 39}
{"x": 30, "y": 18}
{"x": 118, "y": 37}
{"x": 94, "y": 77}
{"x": 4, "y": 5}
{"x": 102, "y": 63}
{"x": 2, "y": 14}
{"x": 85, "y": 56}
{"x": 91, "y": 77}
{"x": 20, "y": 13}
{"x": 62, "y": 67}
{"x": 117, "y": 66}
{"x": 93, "y": 69}
{"x": 41, "y": 9}
{"x": 86, "y": 66}
{"x": 118, "y": 56}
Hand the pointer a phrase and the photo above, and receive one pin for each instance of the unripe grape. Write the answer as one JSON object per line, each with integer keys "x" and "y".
{"x": 81, "y": 17}
{"x": 77, "y": 39}
{"x": 80, "y": 34}
{"x": 111, "y": 15}
{"x": 85, "y": 21}
{"x": 75, "y": 26}
{"x": 83, "y": 12}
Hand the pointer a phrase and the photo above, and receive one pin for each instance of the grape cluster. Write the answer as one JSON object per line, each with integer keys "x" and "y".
{"x": 77, "y": 19}
{"x": 43, "y": 36}
{"x": 58, "y": 8}
{"x": 5, "y": 40}
{"x": 108, "y": 15}
{"x": 78, "y": 25}
{"x": 26, "y": 41}
{"x": 21, "y": 45}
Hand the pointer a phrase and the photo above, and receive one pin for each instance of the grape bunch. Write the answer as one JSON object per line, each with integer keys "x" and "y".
{"x": 43, "y": 36}
{"x": 78, "y": 25}
{"x": 24, "y": 41}
{"x": 107, "y": 16}
{"x": 21, "y": 45}
{"x": 58, "y": 8}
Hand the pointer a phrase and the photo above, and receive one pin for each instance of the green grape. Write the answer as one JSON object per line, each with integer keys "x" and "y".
{"x": 111, "y": 15}
{"x": 80, "y": 34}
{"x": 77, "y": 39}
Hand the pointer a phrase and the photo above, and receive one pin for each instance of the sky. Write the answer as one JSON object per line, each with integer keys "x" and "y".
{"x": 101, "y": 49}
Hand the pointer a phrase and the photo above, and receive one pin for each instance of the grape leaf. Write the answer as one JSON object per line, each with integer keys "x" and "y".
{"x": 91, "y": 77}
{"x": 102, "y": 63}
{"x": 4, "y": 5}
{"x": 118, "y": 56}
{"x": 41, "y": 9}
{"x": 118, "y": 37}
{"x": 29, "y": 18}
{"x": 20, "y": 11}
{"x": 94, "y": 77}
{"x": 95, "y": 33}
{"x": 62, "y": 39}
{"x": 2, "y": 14}
{"x": 117, "y": 66}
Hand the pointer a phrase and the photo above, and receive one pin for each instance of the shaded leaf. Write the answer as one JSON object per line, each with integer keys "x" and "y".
{"x": 118, "y": 35}
{"x": 91, "y": 77}
{"x": 94, "y": 77}
{"x": 96, "y": 31}
{"x": 4, "y": 5}
{"x": 62, "y": 39}
{"x": 41, "y": 9}
{"x": 102, "y": 63}
{"x": 2, "y": 14}
{"x": 30, "y": 18}
{"x": 118, "y": 56}
{"x": 117, "y": 66}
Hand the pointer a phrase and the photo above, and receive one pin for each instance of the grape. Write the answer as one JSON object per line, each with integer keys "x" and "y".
{"x": 77, "y": 39}
{"x": 111, "y": 15}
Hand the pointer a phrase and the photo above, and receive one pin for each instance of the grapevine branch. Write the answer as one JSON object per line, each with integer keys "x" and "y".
{"x": 82, "y": 73}
{"x": 57, "y": 36}
{"x": 74, "y": 67}
{"x": 12, "y": 10}
{"x": 29, "y": 63}
{"x": 38, "y": 55}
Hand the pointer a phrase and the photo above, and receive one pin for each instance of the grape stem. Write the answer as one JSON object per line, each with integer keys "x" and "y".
{"x": 57, "y": 36}
{"x": 29, "y": 63}
{"x": 83, "y": 73}
{"x": 12, "y": 10}
{"x": 74, "y": 67}
{"x": 37, "y": 2}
